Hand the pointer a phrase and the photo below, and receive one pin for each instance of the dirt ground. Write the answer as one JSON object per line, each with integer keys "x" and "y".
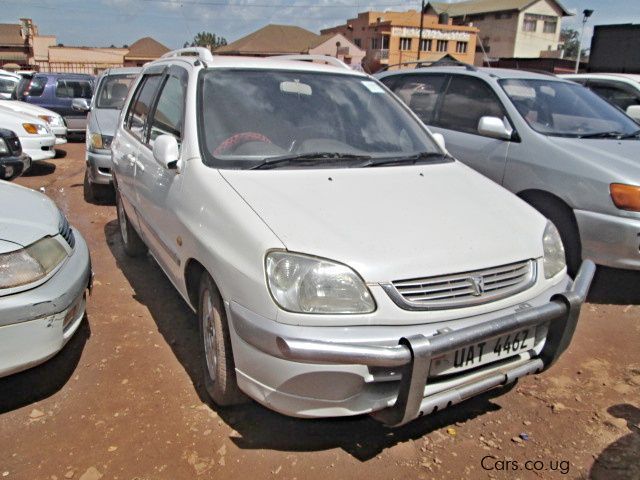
{"x": 125, "y": 400}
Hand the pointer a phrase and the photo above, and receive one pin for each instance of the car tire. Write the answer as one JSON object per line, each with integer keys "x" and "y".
{"x": 88, "y": 190}
{"x": 562, "y": 217}
{"x": 218, "y": 365}
{"x": 133, "y": 244}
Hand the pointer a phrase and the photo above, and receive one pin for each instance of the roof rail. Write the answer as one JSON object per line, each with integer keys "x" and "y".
{"x": 202, "y": 53}
{"x": 436, "y": 63}
{"x": 311, "y": 58}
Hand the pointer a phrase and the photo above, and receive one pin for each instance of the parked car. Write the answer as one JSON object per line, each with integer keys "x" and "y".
{"x": 338, "y": 259}
{"x": 111, "y": 90}
{"x": 620, "y": 89}
{"x": 8, "y": 83}
{"x": 557, "y": 145}
{"x": 55, "y": 121}
{"x": 45, "y": 270}
{"x": 35, "y": 136}
{"x": 12, "y": 159}
{"x": 56, "y": 91}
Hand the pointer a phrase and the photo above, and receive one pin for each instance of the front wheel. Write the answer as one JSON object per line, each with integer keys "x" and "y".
{"x": 133, "y": 244}
{"x": 219, "y": 368}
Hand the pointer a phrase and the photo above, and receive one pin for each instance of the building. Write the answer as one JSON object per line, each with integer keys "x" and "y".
{"x": 615, "y": 49}
{"x": 390, "y": 38}
{"x": 290, "y": 40}
{"x": 510, "y": 28}
{"x": 22, "y": 47}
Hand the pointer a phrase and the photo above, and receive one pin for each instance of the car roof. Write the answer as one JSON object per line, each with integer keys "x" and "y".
{"x": 482, "y": 72}
{"x": 624, "y": 76}
{"x": 121, "y": 71}
{"x": 67, "y": 75}
{"x": 266, "y": 63}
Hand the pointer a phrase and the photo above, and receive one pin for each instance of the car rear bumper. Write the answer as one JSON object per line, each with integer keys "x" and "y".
{"x": 309, "y": 377}
{"x": 609, "y": 240}
{"x": 99, "y": 167}
{"x": 37, "y": 323}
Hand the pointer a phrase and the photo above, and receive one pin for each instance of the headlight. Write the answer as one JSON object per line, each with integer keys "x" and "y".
{"x": 32, "y": 263}
{"x": 304, "y": 284}
{"x": 99, "y": 142}
{"x": 35, "y": 129}
{"x": 3, "y": 147}
{"x": 554, "y": 259}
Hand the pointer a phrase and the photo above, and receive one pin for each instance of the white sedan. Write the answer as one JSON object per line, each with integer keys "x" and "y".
{"x": 37, "y": 139}
{"x": 54, "y": 120}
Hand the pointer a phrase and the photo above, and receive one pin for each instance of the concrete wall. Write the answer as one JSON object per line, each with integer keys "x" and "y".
{"x": 530, "y": 44}
{"x": 498, "y": 34}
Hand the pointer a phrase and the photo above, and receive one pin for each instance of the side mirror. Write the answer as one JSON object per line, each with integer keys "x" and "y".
{"x": 634, "y": 112}
{"x": 439, "y": 139}
{"x": 166, "y": 151}
{"x": 494, "y": 127}
{"x": 80, "y": 105}
{"x": 10, "y": 170}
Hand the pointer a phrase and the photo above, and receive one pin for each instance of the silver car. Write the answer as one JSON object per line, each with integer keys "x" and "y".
{"x": 45, "y": 271}
{"x": 556, "y": 144}
{"x": 111, "y": 91}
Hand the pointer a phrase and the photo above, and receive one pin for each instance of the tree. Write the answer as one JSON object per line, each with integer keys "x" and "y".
{"x": 206, "y": 39}
{"x": 571, "y": 40}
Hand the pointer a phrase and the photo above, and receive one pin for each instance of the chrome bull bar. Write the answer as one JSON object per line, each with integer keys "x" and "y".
{"x": 414, "y": 353}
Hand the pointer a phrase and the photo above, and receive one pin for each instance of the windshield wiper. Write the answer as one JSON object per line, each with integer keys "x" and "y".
{"x": 635, "y": 134}
{"x": 612, "y": 134}
{"x": 307, "y": 159}
{"x": 408, "y": 160}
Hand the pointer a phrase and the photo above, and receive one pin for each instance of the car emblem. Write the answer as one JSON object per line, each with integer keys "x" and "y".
{"x": 477, "y": 284}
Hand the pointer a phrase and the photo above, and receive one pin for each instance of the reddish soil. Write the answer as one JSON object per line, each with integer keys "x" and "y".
{"x": 124, "y": 399}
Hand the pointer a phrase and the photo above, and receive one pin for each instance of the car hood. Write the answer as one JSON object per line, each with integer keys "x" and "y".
{"x": 623, "y": 155}
{"x": 27, "y": 216}
{"x": 13, "y": 120}
{"x": 26, "y": 108}
{"x": 391, "y": 223}
{"x": 104, "y": 121}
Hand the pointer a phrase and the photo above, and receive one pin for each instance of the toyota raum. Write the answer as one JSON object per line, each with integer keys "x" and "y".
{"x": 339, "y": 260}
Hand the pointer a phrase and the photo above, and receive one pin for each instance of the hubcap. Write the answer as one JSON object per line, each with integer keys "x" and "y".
{"x": 209, "y": 334}
{"x": 122, "y": 220}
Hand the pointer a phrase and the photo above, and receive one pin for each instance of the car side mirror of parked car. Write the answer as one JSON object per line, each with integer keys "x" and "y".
{"x": 439, "y": 138}
{"x": 10, "y": 170}
{"x": 166, "y": 151}
{"x": 634, "y": 112}
{"x": 494, "y": 127}
{"x": 80, "y": 105}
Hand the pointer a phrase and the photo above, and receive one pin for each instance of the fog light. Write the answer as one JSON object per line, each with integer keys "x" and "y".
{"x": 8, "y": 171}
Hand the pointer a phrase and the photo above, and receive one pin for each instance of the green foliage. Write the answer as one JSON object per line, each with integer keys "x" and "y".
{"x": 206, "y": 39}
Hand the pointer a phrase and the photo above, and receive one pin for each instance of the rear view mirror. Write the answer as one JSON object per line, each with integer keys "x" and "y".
{"x": 166, "y": 151}
{"x": 80, "y": 105}
{"x": 439, "y": 138}
{"x": 10, "y": 170}
{"x": 494, "y": 127}
{"x": 296, "y": 87}
{"x": 634, "y": 112}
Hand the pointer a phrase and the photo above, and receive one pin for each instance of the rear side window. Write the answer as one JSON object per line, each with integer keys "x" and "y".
{"x": 35, "y": 87}
{"x": 169, "y": 113}
{"x": 465, "y": 102}
{"x": 74, "y": 89}
{"x": 138, "y": 113}
{"x": 8, "y": 84}
{"x": 419, "y": 92}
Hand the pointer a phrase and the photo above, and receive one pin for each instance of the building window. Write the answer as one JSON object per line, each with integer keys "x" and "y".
{"x": 425, "y": 44}
{"x": 529, "y": 24}
{"x": 461, "y": 47}
{"x": 442, "y": 45}
{"x": 405, "y": 43}
{"x": 375, "y": 43}
{"x": 357, "y": 42}
{"x": 550, "y": 26}
{"x": 385, "y": 42}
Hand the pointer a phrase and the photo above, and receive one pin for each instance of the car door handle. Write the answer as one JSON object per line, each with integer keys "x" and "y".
{"x": 129, "y": 157}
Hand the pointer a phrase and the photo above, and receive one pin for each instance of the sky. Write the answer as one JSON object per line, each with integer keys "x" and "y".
{"x": 173, "y": 22}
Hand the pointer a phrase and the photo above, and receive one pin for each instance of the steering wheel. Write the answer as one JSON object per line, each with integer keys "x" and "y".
{"x": 238, "y": 139}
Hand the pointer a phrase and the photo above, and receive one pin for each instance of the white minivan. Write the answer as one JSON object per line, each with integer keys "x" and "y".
{"x": 339, "y": 260}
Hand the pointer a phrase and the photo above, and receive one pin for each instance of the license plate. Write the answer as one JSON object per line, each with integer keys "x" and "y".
{"x": 482, "y": 353}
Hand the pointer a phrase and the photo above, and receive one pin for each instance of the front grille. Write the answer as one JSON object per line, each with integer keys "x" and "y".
{"x": 66, "y": 231}
{"x": 463, "y": 289}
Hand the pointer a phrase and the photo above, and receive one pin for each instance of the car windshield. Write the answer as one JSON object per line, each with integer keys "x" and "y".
{"x": 565, "y": 109}
{"x": 248, "y": 117}
{"x": 113, "y": 91}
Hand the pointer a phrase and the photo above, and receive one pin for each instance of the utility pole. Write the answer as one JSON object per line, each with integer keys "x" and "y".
{"x": 585, "y": 16}
{"x": 421, "y": 28}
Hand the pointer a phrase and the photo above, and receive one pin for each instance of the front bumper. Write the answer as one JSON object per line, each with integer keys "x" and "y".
{"x": 36, "y": 324}
{"x": 407, "y": 395}
{"x": 609, "y": 240}
{"x": 39, "y": 147}
{"x": 99, "y": 168}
